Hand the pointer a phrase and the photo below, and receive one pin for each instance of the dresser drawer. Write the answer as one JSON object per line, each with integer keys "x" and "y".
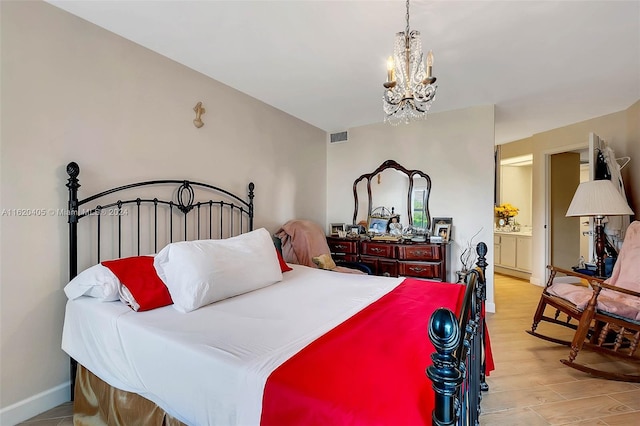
{"x": 387, "y": 268}
{"x": 421, "y": 252}
{"x": 420, "y": 270}
{"x": 341, "y": 257}
{"x": 378, "y": 249}
{"x": 381, "y": 265}
{"x": 342, "y": 246}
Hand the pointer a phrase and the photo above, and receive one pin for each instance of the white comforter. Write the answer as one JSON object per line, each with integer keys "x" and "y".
{"x": 209, "y": 366}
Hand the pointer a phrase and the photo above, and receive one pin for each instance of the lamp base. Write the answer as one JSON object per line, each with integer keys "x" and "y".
{"x": 599, "y": 246}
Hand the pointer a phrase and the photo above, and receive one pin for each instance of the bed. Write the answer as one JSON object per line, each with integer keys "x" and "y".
{"x": 308, "y": 347}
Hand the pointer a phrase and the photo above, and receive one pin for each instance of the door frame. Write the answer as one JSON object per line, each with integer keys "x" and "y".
{"x": 547, "y": 194}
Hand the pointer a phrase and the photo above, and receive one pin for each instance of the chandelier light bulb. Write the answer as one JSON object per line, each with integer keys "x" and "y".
{"x": 390, "y": 68}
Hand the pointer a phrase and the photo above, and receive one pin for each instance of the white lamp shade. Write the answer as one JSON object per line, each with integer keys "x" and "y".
{"x": 598, "y": 198}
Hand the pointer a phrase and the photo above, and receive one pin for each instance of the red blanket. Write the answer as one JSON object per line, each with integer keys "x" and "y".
{"x": 367, "y": 371}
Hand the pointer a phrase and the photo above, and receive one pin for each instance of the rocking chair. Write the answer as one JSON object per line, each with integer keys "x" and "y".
{"x": 606, "y": 313}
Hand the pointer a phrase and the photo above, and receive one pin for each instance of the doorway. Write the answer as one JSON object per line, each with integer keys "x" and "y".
{"x": 564, "y": 231}
{"x": 513, "y": 248}
{"x": 567, "y": 238}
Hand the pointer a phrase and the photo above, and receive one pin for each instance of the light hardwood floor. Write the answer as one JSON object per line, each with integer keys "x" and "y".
{"x": 530, "y": 386}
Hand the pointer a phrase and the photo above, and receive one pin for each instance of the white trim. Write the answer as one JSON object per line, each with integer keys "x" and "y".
{"x": 547, "y": 153}
{"x": 522, "y": 160}
{"x": 34, "y": 405}
{"x": 490, "y": 307}
{"x": 536, "y": 281}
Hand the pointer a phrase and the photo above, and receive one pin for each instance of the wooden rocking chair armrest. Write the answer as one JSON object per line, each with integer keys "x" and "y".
{"x": 573, "y": 273}
{"x": 614, "y": 288}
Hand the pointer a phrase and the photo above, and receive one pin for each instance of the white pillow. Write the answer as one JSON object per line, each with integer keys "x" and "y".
{"x": 201, "y": 272}
{"x": 97, "y": 281}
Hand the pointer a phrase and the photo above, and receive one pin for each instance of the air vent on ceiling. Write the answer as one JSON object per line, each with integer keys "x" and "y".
{"x": 338, "y": 137}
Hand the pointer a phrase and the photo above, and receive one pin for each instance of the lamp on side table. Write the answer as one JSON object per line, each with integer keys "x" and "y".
{"x": 598, "y": 198}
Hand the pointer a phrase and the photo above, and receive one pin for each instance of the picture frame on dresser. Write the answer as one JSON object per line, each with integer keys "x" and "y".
{"x": 444, "y": 231}
{"x": 442, "y": 221}
{"x": 336, "y": 229}
{"x": 377, "y": 225}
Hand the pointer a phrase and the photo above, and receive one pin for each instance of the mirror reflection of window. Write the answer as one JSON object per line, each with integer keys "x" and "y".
{"x": 418, "y": 203}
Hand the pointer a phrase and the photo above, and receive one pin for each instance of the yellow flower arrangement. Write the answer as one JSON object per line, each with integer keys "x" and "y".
{"x": 506, "y": 210}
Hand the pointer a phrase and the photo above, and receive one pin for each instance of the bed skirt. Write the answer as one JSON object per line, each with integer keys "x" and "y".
{"x": 97, "y": 403}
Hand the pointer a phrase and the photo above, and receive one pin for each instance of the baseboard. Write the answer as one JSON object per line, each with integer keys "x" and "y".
{"x": 512, "y": 272}
{"x": 490, "y": 307}
{"x": 536, "y": 281}
{"x": 34, "y": 405}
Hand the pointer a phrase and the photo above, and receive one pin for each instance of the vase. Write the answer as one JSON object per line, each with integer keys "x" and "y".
{"x": 462, "y": 275}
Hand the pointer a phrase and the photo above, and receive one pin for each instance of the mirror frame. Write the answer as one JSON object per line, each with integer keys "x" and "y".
{"x": 390, "y": 164}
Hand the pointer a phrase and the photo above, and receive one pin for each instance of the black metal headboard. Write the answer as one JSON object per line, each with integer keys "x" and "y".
{"x": 184, "y": 201}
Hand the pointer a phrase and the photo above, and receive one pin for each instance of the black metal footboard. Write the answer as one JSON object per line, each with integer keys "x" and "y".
{"x": 458, "y": 369}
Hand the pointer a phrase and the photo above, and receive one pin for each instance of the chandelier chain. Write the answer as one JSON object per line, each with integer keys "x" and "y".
{"x": 406, "y": 31}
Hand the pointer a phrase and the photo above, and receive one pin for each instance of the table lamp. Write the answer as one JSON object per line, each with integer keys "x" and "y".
{"x": 598, "y": 198}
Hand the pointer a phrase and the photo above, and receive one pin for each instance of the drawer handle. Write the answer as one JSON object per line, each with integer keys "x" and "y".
{"x": 419, "y": 252}
{"x": 417, "y": 269}
{"x": 340, "y": 246}
{"x": 377, "y": 250}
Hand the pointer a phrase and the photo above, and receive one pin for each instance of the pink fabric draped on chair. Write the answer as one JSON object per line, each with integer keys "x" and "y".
{"x": 304, "y": 240}
{"x": 626, "y": 274}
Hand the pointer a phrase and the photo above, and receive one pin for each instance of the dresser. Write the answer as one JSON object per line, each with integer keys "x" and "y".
{"x": 407, "y": 259}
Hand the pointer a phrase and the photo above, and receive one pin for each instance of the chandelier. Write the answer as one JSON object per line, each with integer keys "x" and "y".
{"x": 409, "y": 89}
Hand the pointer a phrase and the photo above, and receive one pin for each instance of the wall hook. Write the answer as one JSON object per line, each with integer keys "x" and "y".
{"x": 199, "y": 109}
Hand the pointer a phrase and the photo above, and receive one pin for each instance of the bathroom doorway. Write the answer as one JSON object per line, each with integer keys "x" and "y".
{"x": 568, "y": 238}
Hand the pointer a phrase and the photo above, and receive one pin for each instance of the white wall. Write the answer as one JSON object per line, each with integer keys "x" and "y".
{"x": 454, "y": 148}
{"x": 620, "y": 130}
{"x": 515, "y": 188}
{"x": 73, "y": 91}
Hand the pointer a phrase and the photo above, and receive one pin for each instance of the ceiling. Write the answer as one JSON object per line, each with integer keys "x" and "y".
{"x": 543, "y": 64}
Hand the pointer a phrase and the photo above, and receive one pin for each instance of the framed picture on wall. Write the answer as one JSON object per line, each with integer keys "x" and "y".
{"x": 442, "y": 221}
{"x": 443, "y": 231}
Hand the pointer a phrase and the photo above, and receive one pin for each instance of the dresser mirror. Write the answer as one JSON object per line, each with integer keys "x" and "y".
{"x": 404, "y": 191}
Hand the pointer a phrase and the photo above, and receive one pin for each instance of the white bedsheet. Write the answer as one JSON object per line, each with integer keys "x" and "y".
{"x": 210, "y": 366}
